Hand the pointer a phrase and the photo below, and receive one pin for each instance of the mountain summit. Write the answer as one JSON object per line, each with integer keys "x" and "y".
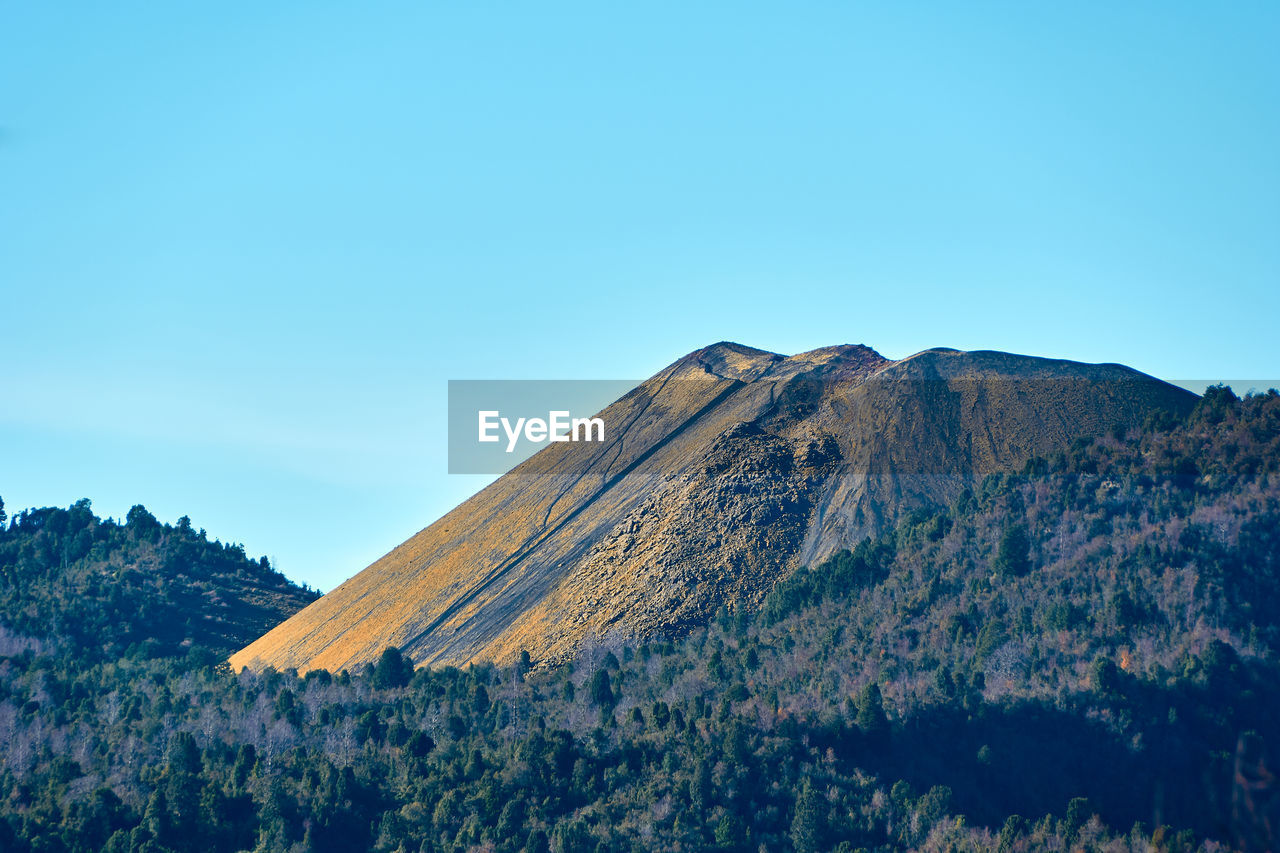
{"x": 720, "y": 475}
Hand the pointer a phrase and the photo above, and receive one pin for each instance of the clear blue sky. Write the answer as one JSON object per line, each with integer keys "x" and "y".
{"x": 243, "y": 246}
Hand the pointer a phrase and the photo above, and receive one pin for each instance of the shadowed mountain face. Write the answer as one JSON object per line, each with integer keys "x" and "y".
{"x": 720, "y": 475}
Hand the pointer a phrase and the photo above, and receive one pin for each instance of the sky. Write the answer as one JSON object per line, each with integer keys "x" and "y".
{"x": 245, "y": 246}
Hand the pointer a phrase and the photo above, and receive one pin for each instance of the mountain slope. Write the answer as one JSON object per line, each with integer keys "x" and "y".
{"x": 722, "y": 474}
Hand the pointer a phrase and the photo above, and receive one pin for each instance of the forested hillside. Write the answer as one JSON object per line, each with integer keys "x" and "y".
{"x": 1079, "y": 655}
{"x": 97, "y": 590}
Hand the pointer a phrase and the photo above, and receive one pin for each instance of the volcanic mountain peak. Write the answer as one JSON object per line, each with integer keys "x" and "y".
{"x": 707, "y": 493}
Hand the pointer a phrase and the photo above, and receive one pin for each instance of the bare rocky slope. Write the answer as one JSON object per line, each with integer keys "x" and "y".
{"x": 721, "y": 474}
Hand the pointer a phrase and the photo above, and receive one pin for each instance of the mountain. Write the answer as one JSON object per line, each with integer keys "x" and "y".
{"x": 76, "y": 583}
{"x": 720, "y": 476}
{"x": 1079, "y": 654}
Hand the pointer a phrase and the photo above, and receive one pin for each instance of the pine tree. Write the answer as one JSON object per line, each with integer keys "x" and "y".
{"x": 602, "y": 690}
{"x": 1013, "y": 554}
{"x": 393, "y": 669}
{"x": 806, "y": 829}
{"x": 871, "y": 717}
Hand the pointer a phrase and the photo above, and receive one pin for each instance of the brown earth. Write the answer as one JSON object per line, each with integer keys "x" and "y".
{"x": 721, "y": 474}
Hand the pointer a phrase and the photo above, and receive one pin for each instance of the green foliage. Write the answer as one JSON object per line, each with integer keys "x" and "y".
{"x": 871, "y": 718}
{"x": 1013, "y": 555}
{"x": 601, "y": 689}
{"x": 1217, "y": 404}
{"x": 841, "y": 575}
{"x": 1077, "y": 813}
{"x": 806, "y": 824}
{"x": 142, "y": 588}
{"x": 392, "y": 670}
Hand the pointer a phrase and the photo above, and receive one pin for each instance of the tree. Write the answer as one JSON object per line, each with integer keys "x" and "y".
{"x": 1013, "y": 827}
{"x": 730, "y": 833}
{"x": 1077, "y": 816}
{"x": 871, "y": 717}
{"x": 420, "y": 745}
{"x": 480, "y": 700}
{"x": 511, "y": 819}
{"x": 806, "y": 829}
{"x": 1218, "y": 401}
{"x": 602, "y": 690}
{"x": 142, "y": 523}
{"x": 570, "y": 836}
{"x": 1013, "y": 554}
{"x": 700, "y": 787}
{"x": 392, "y": 670}
{"x": 1105, "y": 676}
{"x": 156, "y": 817}
{"x": 537, "y": 842}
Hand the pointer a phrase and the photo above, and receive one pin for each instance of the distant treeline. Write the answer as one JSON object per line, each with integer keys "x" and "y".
{"x": 140, "y": 588}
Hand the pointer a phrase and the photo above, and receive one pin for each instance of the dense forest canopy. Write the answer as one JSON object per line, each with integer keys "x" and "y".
{"x": 1081, "y": 654}
{"x": 99, "y": 589}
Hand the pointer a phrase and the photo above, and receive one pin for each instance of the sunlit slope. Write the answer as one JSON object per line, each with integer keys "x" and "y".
{"x": 719, "y": 476}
